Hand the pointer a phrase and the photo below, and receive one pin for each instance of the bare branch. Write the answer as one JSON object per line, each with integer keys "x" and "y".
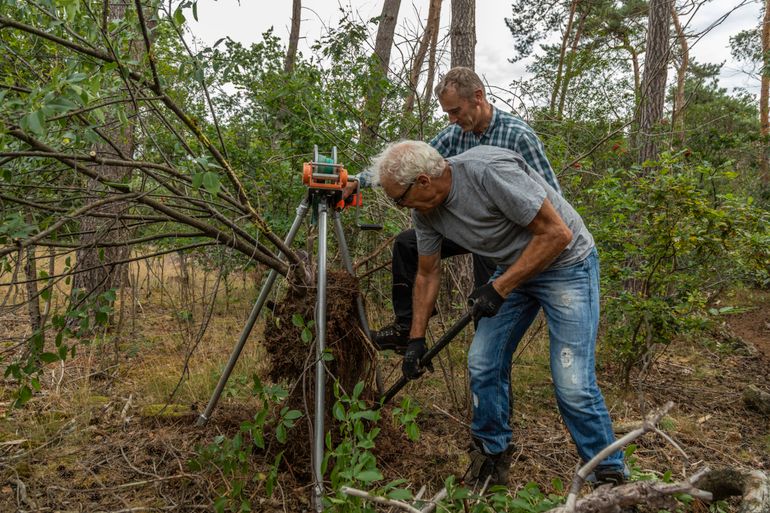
{"x": 378, "y": 500}
{"x": 65, "y": 219}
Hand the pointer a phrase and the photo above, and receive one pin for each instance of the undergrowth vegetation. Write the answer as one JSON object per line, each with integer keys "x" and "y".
{"x": 218, "y": 137}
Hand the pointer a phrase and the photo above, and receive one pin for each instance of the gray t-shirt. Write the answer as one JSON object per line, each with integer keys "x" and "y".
{"x": 493, "y": 198}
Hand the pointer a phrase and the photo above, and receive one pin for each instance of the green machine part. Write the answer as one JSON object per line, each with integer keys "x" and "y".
{"x": 325, "y": 169}
{"x": 323, "y": 159}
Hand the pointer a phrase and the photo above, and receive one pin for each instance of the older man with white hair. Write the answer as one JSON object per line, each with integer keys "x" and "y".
{"x": 473, "y": 122}
{"x": 492, "y": 203}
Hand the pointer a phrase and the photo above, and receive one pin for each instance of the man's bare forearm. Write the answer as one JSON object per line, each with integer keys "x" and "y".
{"x": 426, "y": 285}
{"x": 549, "y": 238}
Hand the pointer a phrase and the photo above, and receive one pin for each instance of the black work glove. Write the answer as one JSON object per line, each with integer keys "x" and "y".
{"x": 486, "y": 301}
{"x": 410, "y": 366}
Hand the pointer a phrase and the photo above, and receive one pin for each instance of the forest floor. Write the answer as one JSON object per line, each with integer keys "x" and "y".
{"x": 97, "y": 437}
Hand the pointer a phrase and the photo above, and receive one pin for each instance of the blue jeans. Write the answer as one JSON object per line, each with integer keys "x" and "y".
{"x": 569, "y": 297}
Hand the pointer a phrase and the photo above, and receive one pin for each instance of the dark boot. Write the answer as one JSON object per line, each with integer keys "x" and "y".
{"x": 393, "y": 336}
{"x": 610, "y": 476}
{"x": 483, "y": 466}
{"x": 613, "y": 477}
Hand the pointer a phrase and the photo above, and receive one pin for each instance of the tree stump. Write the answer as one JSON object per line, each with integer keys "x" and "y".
{"x": 752, "y": 485}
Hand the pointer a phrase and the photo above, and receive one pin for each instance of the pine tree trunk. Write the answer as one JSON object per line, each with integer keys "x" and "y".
{"x": 654, "y": 79}
{"x": 569, "y": 64}
{"x": 764, "y": 94}
{"x": 637, "y": 87}
{"x": 677, "y": 118}
{"x": 99, "y": 270}
{"x": 33, "y": 296}
{"x": 431, "y": 26}
{"x": 562, "y": 54}
{"x": 463, "y": 33}
{"x": 431, "y": 73}
{"x": 383, "y": 44}
{"x": 291, "y": 52}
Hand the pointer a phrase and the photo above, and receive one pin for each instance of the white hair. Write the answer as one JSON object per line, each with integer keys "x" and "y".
{"x": 404, "y": 160}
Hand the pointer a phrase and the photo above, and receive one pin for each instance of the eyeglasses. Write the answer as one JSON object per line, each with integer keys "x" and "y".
{"x": 401, "y": 198}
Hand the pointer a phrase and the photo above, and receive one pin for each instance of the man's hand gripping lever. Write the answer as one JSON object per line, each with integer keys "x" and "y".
{"x": 411, "y": 365}
{"x": 485, "y": 301}
{"x": 427, "y": 357}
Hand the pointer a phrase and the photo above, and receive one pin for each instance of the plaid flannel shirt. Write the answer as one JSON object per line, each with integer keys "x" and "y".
{"x": 504, "y": 130}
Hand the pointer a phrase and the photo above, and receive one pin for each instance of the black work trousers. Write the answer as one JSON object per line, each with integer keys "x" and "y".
{"x": 405, "y": 269}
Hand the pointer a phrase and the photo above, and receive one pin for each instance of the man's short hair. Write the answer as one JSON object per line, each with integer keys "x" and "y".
{"x": 404, "y": 160}
{"x": 464, "y": 81}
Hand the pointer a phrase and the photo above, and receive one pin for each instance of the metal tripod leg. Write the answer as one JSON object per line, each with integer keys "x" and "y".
{"x": 320, "y": 375}
{"x": 203, "y": 418}
{"x": 348, "y": 263}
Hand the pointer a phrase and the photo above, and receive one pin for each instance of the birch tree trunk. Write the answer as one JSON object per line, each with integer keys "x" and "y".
{"x": 463, "y": 33}
{"x": 654, "y": 79}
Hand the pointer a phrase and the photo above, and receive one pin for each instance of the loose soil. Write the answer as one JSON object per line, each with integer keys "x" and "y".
{"x": 102, "y": 453}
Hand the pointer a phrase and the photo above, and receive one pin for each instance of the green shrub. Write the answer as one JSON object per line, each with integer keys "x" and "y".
{"x": 669, "y": 240}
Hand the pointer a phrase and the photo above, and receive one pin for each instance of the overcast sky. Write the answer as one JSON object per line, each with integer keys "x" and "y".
{"x": 245, "y": 22}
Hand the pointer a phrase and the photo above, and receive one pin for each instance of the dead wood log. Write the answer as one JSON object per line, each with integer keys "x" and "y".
{"x": 654, "y": 494}
{"x": 752, "y": 485}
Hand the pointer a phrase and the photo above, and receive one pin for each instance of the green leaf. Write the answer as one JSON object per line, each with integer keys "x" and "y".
{"x": 306, "y": 335}
{"x": 24, "y": 394}
{"x": 280, "y": 433}
{"x": 366, "y": 414}
{"x": 179, "y": 18}
{"x": 293, "y": 414}
{"x": 35, "y": 122}
{"x": 211, "y": 183}
{"x": 197, "y": 180}
{"x": 77, "y": 77}
{"x": 413, "y": 432}
{"x": 400, "y": 494}
{"x": 297, "y": 320}
{"x": 198, "y": 74}
{"x": 195, "y": 10}
{"x": 60, "y": 105}
{"x": 367, "y": 476}
{"x": 521, "y": 504}
{"x": 339, "y": 411}
{"x": 101, "y": 317}
{"x": 49, "y": 357}
{"x": 358, "y": 389}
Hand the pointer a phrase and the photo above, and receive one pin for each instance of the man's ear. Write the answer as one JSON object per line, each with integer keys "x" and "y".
{"x": 422, "y": 180}
{"x": 478, "y": 95}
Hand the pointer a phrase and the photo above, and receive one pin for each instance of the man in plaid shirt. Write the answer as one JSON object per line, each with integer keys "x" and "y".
{"x": 474, "y": 122}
